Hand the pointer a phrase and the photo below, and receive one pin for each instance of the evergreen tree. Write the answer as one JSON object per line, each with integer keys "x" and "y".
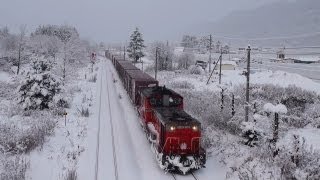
{"x": 136, "y": 46}
{"x": 39, "y": 87}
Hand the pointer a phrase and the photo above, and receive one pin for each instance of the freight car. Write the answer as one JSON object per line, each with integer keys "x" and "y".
{"x": 175, "y": 135}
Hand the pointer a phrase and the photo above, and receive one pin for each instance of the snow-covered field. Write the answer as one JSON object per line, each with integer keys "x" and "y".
{"x": 240, "y": 160}
{"x": 41, "y": 144}
{"x": 5, "y": 77}
{"x": 61, "y": 153}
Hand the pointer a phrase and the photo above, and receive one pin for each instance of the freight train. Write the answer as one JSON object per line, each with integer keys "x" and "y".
{"x": 175, "y": 135}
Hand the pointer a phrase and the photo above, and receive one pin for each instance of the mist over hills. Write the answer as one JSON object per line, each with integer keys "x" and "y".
{"x": 280, "y": 20}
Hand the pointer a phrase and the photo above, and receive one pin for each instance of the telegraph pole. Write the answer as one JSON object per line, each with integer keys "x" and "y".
{"x": 220, "y": 67}
{"x": 156, "y": 66}
{"x": 247, "y": 89}
{"x": 210, "y": 53}
{"x": 124, "y": 53}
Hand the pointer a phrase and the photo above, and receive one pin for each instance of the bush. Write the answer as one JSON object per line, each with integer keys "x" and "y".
{"x": 84, "y": 111}
{"x": 61, "y": 101}
{"x": 195, "y": 70}
{"x": 92, "y": 78}
{"x": 17, "y": 140}
{"x": 182, "y": 85}
{"x": 186, "y": 60}
{"x": 14, "y": 168}
{"x": 71, "y": 175}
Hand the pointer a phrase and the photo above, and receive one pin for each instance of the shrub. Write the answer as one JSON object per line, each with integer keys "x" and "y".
{"x": 61, "y": 101}
{"x": 92, "y": 78}
{"x": 71, "y": 175}
{"x": 84, "y": 111}
{"x": 195, "y": 70}
{"x": 14, "y": 168}
{"x": 186, "y": 60}
{"x": 182, "y": 85}
{"x": 17, "y": 140}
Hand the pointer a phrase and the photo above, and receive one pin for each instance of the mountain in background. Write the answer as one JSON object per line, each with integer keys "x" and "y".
{"x": 281, "y": 19}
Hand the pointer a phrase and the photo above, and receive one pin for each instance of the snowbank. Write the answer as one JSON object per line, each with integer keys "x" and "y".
{"x": 5, "y": 77}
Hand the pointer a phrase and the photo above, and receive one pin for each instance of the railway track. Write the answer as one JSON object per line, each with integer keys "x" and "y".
{"x": 98, "y": 135}
{"x": 191, "y": 176}
{"x": 116, "y": 175}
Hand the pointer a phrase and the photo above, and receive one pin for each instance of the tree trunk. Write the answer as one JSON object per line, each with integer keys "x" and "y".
{"x": 19, "y": 58}
{"x": 64, "y": 65}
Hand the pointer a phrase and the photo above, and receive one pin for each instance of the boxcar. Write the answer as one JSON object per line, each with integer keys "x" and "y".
{"x": 123, "y": 66}
{"x": 136, "y": 80}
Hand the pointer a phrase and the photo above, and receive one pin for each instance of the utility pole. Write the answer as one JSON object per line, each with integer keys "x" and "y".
{"x": 210, "y": 53}
{"x": 124, "y": 53}
{"x": 156, "y": 66}
{"x": 220, "y": 67}
{"x": 248, "y": 82}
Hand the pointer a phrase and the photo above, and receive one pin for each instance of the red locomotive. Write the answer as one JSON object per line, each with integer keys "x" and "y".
{"x": 175, "y": 136}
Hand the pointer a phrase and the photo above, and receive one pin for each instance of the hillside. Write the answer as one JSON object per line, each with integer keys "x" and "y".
{"x": 280, "y": 19}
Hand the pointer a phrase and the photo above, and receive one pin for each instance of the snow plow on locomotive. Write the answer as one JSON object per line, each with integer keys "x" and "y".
{"x": 175, "y": 136}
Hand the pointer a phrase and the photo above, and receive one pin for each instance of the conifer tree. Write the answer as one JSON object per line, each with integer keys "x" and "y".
{"x": 136, "y": 46}
{"x": 40, "y": 86}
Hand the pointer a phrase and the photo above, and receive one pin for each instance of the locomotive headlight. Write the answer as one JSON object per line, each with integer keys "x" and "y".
{"x": 172, "y": 128}
{"x": 195, "y": 128}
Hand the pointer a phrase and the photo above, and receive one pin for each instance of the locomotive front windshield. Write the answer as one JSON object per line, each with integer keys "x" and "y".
{"x": 165, "y": 101}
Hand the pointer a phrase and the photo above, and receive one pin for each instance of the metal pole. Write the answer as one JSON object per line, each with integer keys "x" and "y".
{"x": 124, "y": 53}
{"x": 156, "y": 66}
{"x": 232, "y": 106}
{"x": 142, "y": 64}
{"x": 222, "y": 98}
{"x": 210, "y": 53}
{"x": 247, "y": 89}
{"x": 220, "y": 68}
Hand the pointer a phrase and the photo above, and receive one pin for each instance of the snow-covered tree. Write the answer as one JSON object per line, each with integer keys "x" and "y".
{"x": 218, "y": 46}
{"x": 136, "y": 46}
{"x": 38, "y": 89}
{"x": 45, "y": 45}
{"x": 185, "y": 60}
{"x": 165, "y": 55}
{"x": 189, "y": 41}
{"x": 21, "y": 45}
{"x": 4, "y": 32}
{"x": 53, "y": 40}
{"x": 204, "y": 44}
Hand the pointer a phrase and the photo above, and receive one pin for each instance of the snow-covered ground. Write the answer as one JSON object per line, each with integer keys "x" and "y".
{"x": 239, "y": 159}
{"x": 61, "y": 153}
{"x": 5, "y": 77}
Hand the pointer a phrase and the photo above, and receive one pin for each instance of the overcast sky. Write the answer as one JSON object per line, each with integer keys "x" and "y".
{"x": 114, "y": 20}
